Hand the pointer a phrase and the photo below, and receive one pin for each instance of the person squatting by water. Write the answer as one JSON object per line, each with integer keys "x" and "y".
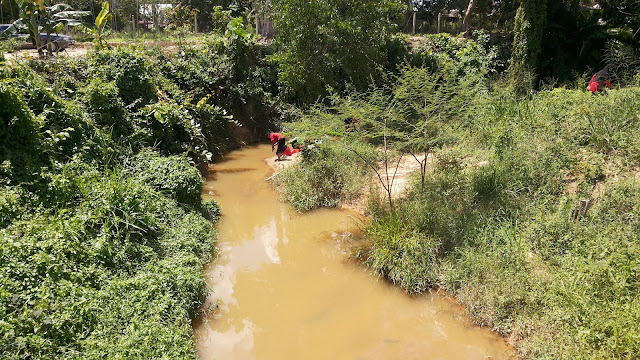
{"x": 283, "y": 149}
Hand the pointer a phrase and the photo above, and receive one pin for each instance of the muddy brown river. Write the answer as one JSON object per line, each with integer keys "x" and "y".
{"x": 284, "y": 287}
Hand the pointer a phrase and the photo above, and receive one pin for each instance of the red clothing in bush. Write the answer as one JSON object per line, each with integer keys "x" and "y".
{"x": 598, "y": 85}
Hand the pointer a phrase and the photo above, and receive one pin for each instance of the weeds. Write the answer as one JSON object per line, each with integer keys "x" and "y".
{"x": 489, "y": 220}
{"x": 328, "y": 175}
{"x": 103, "y": 233}
{"x": 499, "y": 235}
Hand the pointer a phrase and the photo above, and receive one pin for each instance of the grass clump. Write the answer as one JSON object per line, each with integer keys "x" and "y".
{"x": 327, "y": 175}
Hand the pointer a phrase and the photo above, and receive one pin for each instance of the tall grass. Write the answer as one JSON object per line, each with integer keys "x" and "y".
{"x": 496, "y": 225}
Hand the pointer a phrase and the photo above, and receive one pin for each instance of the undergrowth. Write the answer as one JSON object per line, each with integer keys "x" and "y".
{"x": 103, "y": 233}
{"x": 500, "y": 228}
{"x": 328, "y": 175}
{"x": 496, "y": 220}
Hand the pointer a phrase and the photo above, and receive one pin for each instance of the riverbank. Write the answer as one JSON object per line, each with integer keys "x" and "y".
{"x": 498, "y": 220}
{"x": 103, "y": 232}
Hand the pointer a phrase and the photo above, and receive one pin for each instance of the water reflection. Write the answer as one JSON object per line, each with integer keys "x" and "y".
{"x": 231, "y": 343}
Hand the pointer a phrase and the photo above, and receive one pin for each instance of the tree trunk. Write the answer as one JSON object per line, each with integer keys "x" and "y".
{"x": 415, "y": 15}
{"x": 467, "y": 15}
{"x": 530, "y": 22}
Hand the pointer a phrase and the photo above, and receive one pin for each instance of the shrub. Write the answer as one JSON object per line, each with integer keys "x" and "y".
{"x": 65, "y": 128}
{"x": 172, "y": 129}
{"x": 107, "y": 109}
{"x": 210, "y": 210}
{"x": 129, "y": 70}
{"x": 14, "y": 201}
{"x": 125, "y": 267}
{"x": 173, "y": 176}
{"x": 328, "y": 175}
{"x": 456, "y": 55}
{"x": 19, "y": 130}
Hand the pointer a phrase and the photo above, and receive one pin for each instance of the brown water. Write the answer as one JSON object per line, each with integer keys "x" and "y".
{"x": 285, "y": 288}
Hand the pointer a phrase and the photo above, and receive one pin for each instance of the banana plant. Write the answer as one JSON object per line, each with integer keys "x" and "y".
{"x": 30, "y": 13}
{"x": 36, "y": 16}
{"x": 98, "y": 29}
{"x": 57, "y": 17}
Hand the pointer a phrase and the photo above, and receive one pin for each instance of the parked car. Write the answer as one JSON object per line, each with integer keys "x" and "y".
{"x": 58, "y": 42}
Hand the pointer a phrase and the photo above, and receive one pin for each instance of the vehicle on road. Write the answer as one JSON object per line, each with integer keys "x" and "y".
{"x": 57, "y": 42}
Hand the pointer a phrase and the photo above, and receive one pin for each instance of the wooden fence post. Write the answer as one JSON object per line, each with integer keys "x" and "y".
{"x": 414, "y": 22}
{"x": 195, "y": 23}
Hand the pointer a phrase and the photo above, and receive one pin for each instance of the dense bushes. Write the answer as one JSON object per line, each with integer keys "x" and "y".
{"x": 103, "y": 233}
{"x": 94, "y": 281}
{"x": 131, "y": 73}
{"x": 231, "y": 83}
{"x": 172, "y": 176}
{"x": 18, "y": 129}
{"x": 107, "y": 109}
{"x": 462, "y": 57}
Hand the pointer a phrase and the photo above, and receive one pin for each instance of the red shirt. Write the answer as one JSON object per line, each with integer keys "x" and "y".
{"x": 598, "y": 85}
{"x": 275, "y": 137}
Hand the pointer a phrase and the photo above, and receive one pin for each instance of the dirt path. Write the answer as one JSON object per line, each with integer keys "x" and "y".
{"x": 407, "y": 166}
{"x": 81, "y": 49}
{"x": 401, "y": 175}
{"x": 286, "y": 161}
{"x": 28, "y": 54}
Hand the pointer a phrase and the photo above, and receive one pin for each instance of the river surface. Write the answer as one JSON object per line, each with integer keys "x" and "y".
{"x": 285, "y": 288}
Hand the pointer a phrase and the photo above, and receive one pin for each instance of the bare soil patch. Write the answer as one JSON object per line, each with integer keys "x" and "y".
{"x": 81, "y": 49}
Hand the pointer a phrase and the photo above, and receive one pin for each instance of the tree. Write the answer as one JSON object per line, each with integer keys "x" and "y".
{"x": 381, "y": 112}
{"x": 329, "y": 43}
{"x": 467, "y": 15}
{"x": 528, "y": 32}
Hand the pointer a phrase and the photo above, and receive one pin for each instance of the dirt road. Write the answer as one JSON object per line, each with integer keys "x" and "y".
{"x": 80, "y": 49}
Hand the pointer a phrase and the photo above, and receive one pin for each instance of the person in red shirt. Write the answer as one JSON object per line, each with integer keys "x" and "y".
{"x": 283, "y": 148}
{"x": 278, "y": 139}
{"x": 599, "y": 80}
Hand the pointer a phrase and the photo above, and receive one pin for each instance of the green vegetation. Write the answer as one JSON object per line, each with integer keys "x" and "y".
{"x": 9, "y": 46}
{"x": 525, "y": 206}
{"x": 98, "y": 28}
{"x": 330, "y": 43}
{"x": 328, "y": 175}
{"x": 528, "y": 31}
{"x": 103, "y": 233}
{"x": 495, "y": 219}
{"x": 498, "y": 227}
